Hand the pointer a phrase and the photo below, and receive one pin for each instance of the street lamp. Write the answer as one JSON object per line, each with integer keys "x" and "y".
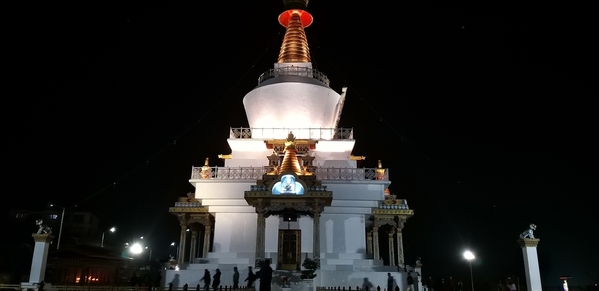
{"x": 173, "y": 244}
{"x": 112, "y": 229}
{"x": 468, "y": 255}
{"x": 136, "y": 248}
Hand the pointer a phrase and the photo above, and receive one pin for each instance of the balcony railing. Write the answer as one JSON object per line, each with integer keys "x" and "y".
{"x": 294, "y": 71}
{"x": 299, "y": 133}
{"x": 256, "y": 173}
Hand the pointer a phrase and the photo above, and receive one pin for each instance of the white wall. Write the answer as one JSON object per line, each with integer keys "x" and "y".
{"x": 206, "y": 190}
{"x": 307, "y": 226}
{"x": 342, "y": 233}
{"x": 272, "y": 234}
{"x": 235, "y": 232}
{"x": 291, "y": 105}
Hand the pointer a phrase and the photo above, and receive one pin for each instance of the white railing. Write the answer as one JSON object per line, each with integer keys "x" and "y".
{"x": 252, "y": 173}
{"x": 299, "y": 133}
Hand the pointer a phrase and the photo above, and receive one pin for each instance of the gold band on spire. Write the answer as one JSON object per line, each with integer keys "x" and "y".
{"x": 295, "y": 44}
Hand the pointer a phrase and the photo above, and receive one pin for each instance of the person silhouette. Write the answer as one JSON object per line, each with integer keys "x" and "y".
{"x": 235, "y": 278}
{"x": 265, "y": 276}
{"x": 250, "y": 278}
{"x": 216, "y": 281}
{"x": 206, "y": 278}
{"x": 366, "y": 285}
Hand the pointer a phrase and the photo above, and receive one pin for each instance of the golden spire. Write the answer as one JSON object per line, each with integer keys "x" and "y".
{"x": 290, "y": 162}
{"x": 295, "y": 44}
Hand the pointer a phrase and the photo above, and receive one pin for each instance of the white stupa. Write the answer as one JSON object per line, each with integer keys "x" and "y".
{"x": 291, "y": 189}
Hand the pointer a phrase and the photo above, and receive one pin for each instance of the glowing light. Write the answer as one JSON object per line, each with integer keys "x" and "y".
{"x": 468, "y": 255}
{"x": 136, "y": 248}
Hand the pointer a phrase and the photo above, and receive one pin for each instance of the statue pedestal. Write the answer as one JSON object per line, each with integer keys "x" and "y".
{"x": 40, "y": 256}
{"x": 531, "y": 263}
{"x": 418, "y": 270}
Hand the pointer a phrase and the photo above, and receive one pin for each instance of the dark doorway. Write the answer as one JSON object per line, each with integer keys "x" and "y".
{"x": 289, "y": 252}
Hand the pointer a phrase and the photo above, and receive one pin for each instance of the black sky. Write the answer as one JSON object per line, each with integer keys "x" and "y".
{"x": 483, "y": 113}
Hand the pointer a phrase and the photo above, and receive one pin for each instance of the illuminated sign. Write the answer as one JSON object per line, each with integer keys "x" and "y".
{"x": 288, "y": 185}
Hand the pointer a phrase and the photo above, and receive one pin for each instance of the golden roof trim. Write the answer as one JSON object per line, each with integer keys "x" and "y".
{"x": 394, "y": 211}
{"x": 187, "y": 209}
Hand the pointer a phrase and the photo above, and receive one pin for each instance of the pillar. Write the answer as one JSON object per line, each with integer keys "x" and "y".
{"x": 194, "y": 244}
{"x": 207, "y": 239}
{"x": 261, "y": 233}
{"x": 316, "y": 235}
{"x": 418, "y": 270}
{"x": 40, "y": 257}
{"x": 400, "y": 255}
{"x": 531, "y": 263}
{"x": 391, "y": 248}
{"x": 375, "y": 242}
{"x": 369, "y": 242}
{"x": 180, "y": 259}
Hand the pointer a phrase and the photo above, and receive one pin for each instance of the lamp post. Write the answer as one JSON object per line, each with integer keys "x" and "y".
{"x": 136, "y": 249}
{"x": 112, "y": 229}
{"x": 173, "y": 244}
{"x": 468, "y": 255}
{"x": 60, "y": 230}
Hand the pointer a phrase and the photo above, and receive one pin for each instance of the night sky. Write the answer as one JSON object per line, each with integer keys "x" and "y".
{"x": 483, "y": 114}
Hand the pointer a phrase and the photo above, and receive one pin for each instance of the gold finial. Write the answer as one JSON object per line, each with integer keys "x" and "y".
{"x": 206, "y": 171}
{"x": 224, "y": 157}
{"x": 290, "y": 143}
{"x": 380, "y": 172}
{"x": 291, "y": 2}
{"x": 290, "y": 136}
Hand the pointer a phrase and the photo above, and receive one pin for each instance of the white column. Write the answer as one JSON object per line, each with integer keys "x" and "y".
{"x": 418, "y": 270}
{"x": 207, "y": 239}
{"x": 531, "y": 263}
{"x": 316, "y": 236}
{"x": 194, "y": 245}
{"x": 375, "y": 242}
{"x": 391, "y": 249}
{"x": 180, "y": 258}
{"x": 40, "y": 257}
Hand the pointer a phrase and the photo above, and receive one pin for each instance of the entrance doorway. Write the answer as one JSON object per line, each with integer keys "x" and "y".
{"x": 290, "y": 249}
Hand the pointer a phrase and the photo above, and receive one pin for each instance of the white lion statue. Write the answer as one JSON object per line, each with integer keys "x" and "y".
{"x": 43, "y": 228}
{"x": 529, "y": 232}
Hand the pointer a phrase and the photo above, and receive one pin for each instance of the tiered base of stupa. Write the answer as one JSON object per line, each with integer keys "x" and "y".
{"x": 336, "y": 270}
